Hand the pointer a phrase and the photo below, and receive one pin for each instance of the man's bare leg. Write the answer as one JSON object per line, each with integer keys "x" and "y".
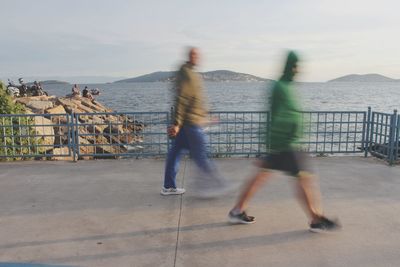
{"x": 251, "y": 188}
{"x": 309, "y": 195}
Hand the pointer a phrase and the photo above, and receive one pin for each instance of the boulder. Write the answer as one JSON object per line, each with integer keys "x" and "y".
{"x": 62, "y": 151}
{"x": 84, "y": 109}
{"x": 97, "y": 133}
{"x": 67, "y": 103}
{"x": 44, "y": 132}
{"x": 114, "y": 129}
{"x": 61, "y": 135}
{"x": 104, "y": 146}
{"x": 39, "y": 106}
{"x": 56, "y": 110}
{"x": 86, "y": 147}
{"x": 95, "y": 128}
{"x": 95, "y": 106}
{"x": 24, "y": 100}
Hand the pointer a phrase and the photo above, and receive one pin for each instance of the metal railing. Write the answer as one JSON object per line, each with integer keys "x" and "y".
{"x": 238, "y": 133}
{"x": 329, "y": 132}
{"x": 35, "y": 136}
{"x": 384, "y": 136}
{"x": 141, "y": 134}
{"x": 120, "y": 134}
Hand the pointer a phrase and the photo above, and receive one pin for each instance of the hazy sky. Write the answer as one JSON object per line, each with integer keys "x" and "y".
{"x": 130, "y": 38}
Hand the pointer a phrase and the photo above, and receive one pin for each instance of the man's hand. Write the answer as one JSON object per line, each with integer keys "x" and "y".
{"x": 214, "y": 120}
{"x": 173, "y": 130}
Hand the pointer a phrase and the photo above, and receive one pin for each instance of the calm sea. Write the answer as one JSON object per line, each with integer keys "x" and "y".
{"x": 247, "y": 96}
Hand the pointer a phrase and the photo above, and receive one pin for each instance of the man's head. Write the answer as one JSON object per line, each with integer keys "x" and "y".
{"x": 291, "y": 66}
{"x": 194, "y": 56}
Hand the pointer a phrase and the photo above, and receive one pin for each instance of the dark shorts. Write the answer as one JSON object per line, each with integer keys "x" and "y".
{"x": 290, "y": 162}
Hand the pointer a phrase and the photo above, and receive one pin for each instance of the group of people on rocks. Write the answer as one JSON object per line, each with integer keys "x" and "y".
{"x": 76, "y": 91}
{"x": 24, "y": 90}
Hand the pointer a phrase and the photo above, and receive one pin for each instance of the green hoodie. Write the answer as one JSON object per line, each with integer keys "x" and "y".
{"x": 285, "y": 116}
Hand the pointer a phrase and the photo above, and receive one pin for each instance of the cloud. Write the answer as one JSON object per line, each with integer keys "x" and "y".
{"x": 126, "y": 38}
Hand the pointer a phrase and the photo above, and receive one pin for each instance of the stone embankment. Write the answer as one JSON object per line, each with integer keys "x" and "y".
{"x": 96, "y": 133}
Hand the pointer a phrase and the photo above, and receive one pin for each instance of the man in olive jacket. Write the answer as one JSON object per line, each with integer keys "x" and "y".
{"x": 285, "y": 130}
{"x": 190, "y": 115}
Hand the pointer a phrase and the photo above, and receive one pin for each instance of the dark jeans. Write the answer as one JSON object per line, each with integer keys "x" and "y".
{"x": 190, "y": 138}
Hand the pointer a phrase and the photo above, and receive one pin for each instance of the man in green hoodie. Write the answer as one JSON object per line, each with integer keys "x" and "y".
{"x": 285, "y": 130}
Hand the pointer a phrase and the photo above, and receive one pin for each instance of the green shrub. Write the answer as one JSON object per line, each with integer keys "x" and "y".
{"x": 16, "y": 134}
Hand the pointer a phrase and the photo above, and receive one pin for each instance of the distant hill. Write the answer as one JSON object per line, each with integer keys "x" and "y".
{"x": 50, "y": 82}
{"x": 158, "y": 76}
{"x": 364, "y": 78}
{"x": 215, "y": 76}
{"x": 227, "y": 75}
{"x": 69, "y": 79}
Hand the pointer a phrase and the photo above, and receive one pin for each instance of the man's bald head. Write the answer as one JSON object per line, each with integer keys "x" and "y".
{"x": 194, "y": 56}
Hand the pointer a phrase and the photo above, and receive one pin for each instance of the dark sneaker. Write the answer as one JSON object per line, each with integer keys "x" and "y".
{"x": 325, "y": 225}
{"x": 241, "y": 218}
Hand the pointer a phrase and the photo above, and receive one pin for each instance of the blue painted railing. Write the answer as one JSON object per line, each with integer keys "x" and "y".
{"x": 143, "y": 134}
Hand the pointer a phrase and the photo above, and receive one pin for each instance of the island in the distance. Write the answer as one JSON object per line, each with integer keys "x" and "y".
{"x": 214, "y": 76}
{"x": 50, "y": 82}
{"x": 372, "y": 77}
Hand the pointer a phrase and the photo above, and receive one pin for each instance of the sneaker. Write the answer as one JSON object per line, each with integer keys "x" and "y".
{"x": 172, "y": 191}
{"x": 241, "y": 218}
{"x": 325, "y": 225}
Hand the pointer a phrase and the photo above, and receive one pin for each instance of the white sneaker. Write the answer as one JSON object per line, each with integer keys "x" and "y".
{"x": 172, "y": 191}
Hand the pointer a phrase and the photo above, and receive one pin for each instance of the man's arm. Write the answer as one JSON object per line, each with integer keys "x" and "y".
{"x": 182, "y": 102}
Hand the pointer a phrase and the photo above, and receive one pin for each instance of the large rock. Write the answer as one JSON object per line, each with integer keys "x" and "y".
{"x": 95, "y": 106}
{"x": 44, "y": 132}
{"x": 68, "y": 104}
{"x": 86, "y": 147}
{"x": 56, "y": 110}
{"x": 104, "y": 146}
{"x": 114, "y": 129}
{"x": 61, "y": 136}
{"x": 98, "y": 133}
{"x": 95, "y": 128}
{"x": 39, "y": 106}
{"x": 57, "y": 152}
{"x": 84, "y": 109}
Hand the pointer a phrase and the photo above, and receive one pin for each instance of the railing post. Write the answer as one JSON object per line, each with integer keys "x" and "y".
{"x": 170, "y": 120}
{"x": 367, "y": 141}
{"x": 397, "y": 138}
{"x": 268, "y": 132}
{"x": 392, "y": 135}
{"x": 73, "y": 136}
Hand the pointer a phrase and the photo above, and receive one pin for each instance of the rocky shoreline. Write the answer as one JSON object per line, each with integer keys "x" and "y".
{"x": 100, "y": 131}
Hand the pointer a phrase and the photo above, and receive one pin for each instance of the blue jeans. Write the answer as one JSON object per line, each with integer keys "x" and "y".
{"x": 190, "y": 138}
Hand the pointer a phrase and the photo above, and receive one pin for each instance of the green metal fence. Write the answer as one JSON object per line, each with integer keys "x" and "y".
{"x": 143, "y": 134}
{"x": 35, "y": 136}
{"x": 384, "y": 136}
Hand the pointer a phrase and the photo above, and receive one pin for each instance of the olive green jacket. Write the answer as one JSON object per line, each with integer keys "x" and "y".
{"x": 190, "y": 103}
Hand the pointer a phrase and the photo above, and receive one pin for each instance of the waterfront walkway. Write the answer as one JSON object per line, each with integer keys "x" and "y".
{"x": 110, "y": 213}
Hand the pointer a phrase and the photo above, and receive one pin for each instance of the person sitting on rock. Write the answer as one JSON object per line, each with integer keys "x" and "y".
{"x": 76, "y": 91}
{"x": 86, "y": 93}
{"x": 95, "y": 91}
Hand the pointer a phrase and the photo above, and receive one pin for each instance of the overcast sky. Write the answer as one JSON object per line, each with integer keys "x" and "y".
{"x": 129, "y": 38}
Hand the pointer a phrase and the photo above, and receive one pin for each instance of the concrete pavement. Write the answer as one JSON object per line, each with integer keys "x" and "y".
{"x": 110, "y": 213}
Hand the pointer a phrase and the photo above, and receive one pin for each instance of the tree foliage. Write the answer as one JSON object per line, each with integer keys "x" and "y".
{"x": 15, "y": 132}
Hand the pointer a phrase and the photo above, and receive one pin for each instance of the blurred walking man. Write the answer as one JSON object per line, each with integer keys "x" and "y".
{"x": 190, "y": 115}
{"x": 283, "y": 156}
